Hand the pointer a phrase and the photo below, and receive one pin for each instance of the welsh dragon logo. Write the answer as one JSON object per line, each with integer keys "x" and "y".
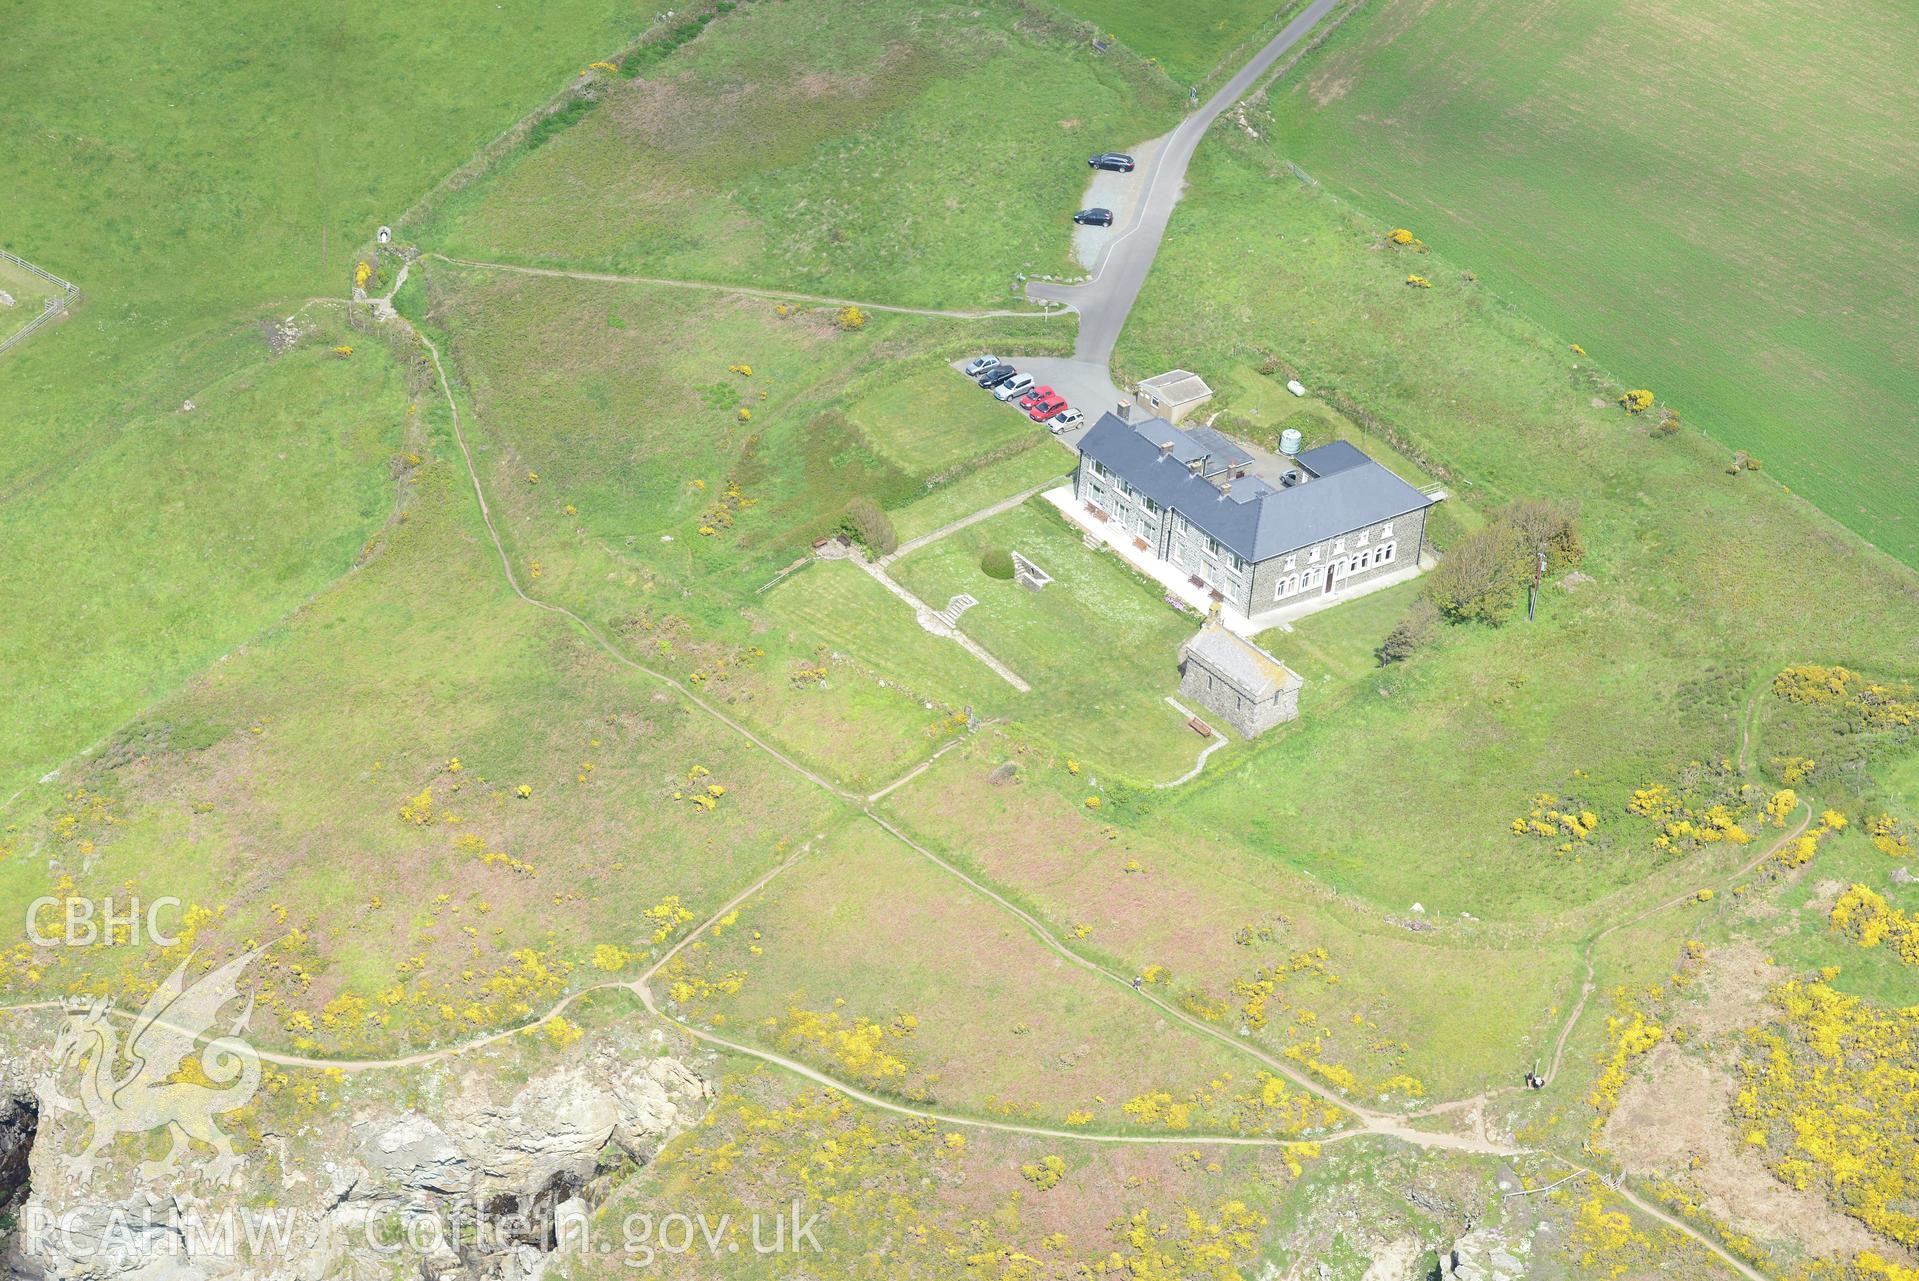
{"x": 146, "y": 1083}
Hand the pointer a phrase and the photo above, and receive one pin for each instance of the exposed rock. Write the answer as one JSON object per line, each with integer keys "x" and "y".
{"x": 1485, "y": 1255}
{"x": 491, "y": 1169}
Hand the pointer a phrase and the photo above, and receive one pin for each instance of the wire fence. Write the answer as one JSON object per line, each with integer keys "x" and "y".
{"x": 68, "y": 292}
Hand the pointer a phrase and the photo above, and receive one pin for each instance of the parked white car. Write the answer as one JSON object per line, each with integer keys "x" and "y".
{"x": 1017, "y": 385}
{"x": 1065, "y": 420}
{"x": 979, "y": 365}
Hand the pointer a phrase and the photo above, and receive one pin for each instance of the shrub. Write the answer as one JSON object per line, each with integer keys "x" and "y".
{"x": 851, "y": 318}
{"x": 996, "y": 562}
{"x": 1480, "y": 579}
{"x": 1543, "y": 523}
{"x": 864, "y": 522}
{"x": 1637, "y": 401}
{"x": 1414, "y": 633}
{"x": 1401, "y": 236}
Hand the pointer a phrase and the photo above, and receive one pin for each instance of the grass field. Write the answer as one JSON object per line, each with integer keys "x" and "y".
{"x": 189, "y": 531}
{"x": 27, "y": 296}
{"x": 1743, "y": 266}
{"x": 197, "y": 178}
{"x": 999, "y": 1024}
{"x": 1408, "y": 795}
{"x": 413, "y": 779}
{"x": 930, "y": 422}
{"x": 1098, "y": 645}
{"x": 856, "y": 149}
{"x": 1188, "y": 41}
{"x": 1454, "y": 1005}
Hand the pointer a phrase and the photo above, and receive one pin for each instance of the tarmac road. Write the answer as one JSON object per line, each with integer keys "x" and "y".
{"x": 1105, "y": 301}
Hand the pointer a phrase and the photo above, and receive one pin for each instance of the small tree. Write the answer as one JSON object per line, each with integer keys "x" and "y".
{"x": 865, "y": 522}
{"x": 1480, "y": 578}
{"x": 1548, "y": 525}
{"x": 1414, "y": 633}
{"x": 996, "y": 562}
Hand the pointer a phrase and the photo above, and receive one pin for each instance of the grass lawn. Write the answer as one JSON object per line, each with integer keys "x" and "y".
{"x": 836, "y": 147}
{"x": 1741, "y": 266}
{"x": 979, "y": 489}
{"x": 931, "y": 423}
{"x": 1408, "y": 794}
{"x": 1098, "y": 645}
{"x": 1001, "y": 1024}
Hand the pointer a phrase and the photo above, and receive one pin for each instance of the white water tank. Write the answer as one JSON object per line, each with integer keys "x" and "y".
{"x": 1289, "y": 441}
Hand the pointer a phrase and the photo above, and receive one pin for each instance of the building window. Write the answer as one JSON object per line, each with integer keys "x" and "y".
{"x": 1212, "y": 545}
{"x": 1385, "y": 553}
{"x": 1283, "y": 588}
{"x": 1364, "y": 538}
{"x": 1360, "y": 561}
{"x": 1339, "y": 546}
{"x": 1313, "y": 557}
{"x": 1239, "y": 566}
{"x": 1292, "y": 562}
{"x": 1099, "y": 468}
{"x": 1386, "y": 530}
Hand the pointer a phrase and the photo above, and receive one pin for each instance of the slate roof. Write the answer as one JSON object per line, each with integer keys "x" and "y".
{"x": 1255, "y": 520}
{"x": 1245, "y": 664}
{"x": 1177, "y": 386}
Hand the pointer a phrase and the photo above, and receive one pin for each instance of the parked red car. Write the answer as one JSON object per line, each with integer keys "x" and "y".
{"x": 1034, "y": 396}
{"x": 1041, "y": 410}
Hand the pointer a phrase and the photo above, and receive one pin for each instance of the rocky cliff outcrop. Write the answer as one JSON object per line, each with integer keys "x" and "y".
{"x": 472, "y": 1181}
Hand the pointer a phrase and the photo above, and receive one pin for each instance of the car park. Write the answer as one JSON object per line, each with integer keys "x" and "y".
{"x": 1017, "y": 385}
{"x": 1034, "y": 396}
{"x": 1041, "y": 410}
{"x": 1112, "y": 161}
{"x": 1065, "y": 420}
{"x": 979, "y": 365}
{"x": 1094, "y": 217}
{"x": 995, "y": 376}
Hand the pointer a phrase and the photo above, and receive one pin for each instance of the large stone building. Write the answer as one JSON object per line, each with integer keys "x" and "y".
{"x": 1237, "y": 681}
{"x": 1326, "y": 523}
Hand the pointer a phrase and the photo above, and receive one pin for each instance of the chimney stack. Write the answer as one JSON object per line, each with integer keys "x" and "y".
{"x": 1165, "y": 449}
{"x": 1225, "y": 488}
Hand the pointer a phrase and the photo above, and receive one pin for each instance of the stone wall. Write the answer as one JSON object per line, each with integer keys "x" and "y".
{"x": 1202, "y": 684}
{"x": 1403, "y": 534}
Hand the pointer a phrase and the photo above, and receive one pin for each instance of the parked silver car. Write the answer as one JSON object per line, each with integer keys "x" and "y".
{"x": 1017, "y": 385}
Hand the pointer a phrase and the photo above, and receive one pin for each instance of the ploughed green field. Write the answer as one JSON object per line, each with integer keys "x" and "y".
{"x": 895, "y": 152}
{"x": 1714, "y": 199}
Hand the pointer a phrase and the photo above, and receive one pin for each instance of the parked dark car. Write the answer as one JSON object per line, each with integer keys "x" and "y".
{"x": 1113, "y": 161}
{"x": 995, "y": 376}
{"x": 1094, "y": 217}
